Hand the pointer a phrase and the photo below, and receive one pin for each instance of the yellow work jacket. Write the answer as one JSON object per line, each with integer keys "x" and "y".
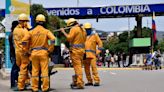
{"x": 18, "y": 34}
{"x": 92, "y": 41}
{"x": 38, "y": 38}
{"x": 76, "y": 36}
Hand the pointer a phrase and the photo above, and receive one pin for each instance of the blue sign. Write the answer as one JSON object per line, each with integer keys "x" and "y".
{"x": 7, "y": 46}
{"x": 7, "y": 51}
{"x": 107, "y": 10}
{"x": 2, "y": 12}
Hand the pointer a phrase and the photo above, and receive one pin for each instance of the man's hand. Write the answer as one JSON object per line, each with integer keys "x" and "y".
{"x": 62, "y": 30}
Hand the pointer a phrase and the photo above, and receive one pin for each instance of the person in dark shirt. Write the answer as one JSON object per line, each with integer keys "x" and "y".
{"x": 119, "y": 59}
{"x": 15, "y": 68}
{"x": 157, "y": 61}
{"x": 124, "y": 60}
{"x": 66, "y": 57}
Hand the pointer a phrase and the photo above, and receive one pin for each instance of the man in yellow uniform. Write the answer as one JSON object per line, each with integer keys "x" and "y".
{"x": 76, "y": 37}
{"x": 22, "y": 60}
{"x": 90, "y": 47}
{"x": 40, "y": 49}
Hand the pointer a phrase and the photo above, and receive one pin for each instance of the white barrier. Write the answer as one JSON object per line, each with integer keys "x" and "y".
{"x": 162, "y": 59}
{"x": 138, "y": 59}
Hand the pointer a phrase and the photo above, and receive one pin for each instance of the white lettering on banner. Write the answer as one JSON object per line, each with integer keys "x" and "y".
{"x": 109, "y": 10}
{"x": 125, "y": 9}
{"x": 146, "y": 8}
{"x": 64, "y": 12}
{"x": 115, "y": 10}
{"x": 102, "y": 10}
{"x": 121, "y": 9}
{"x": 128, "y": 9}
{"x": 137, "y": 9}
{"x": 89, "y": 12}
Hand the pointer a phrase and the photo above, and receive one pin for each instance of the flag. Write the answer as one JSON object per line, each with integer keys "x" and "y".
{"x": 154, "y": 28}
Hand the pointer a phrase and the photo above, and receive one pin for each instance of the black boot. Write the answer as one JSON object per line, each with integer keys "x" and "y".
{"x": 96, "y": 84}
{"x": 89, "y": 84}
{"x": 74, "y": 86}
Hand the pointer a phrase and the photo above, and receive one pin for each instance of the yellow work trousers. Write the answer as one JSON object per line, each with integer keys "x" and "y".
{"x": 91, "y": 62}
{"x": 40, "y": 63}
{"x": 22, "y": 62}
{"x": 77, "y": 59}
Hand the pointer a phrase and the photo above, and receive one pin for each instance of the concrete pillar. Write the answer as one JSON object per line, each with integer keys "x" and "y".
{"x": 134, "y": 60}
{"x": 141, "y": 60}
{"x": 138, "y": 58}
{"x": 139, "y": 26}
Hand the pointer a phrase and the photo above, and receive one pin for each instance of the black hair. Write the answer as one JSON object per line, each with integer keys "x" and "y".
{"x": 14, "y": 24}
{"x": 41, "y": 23}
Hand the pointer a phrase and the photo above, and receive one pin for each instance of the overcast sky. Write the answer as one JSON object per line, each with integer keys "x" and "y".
{"x": 109, "y": 24}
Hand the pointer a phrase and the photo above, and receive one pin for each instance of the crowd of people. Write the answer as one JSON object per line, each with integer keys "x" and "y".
{"x": 152, "y": 59}
{"x": 106, "y": 60}
{"x": 119, "y": 60}
{"x": 31, "y": 49}
{"x": 111, "y": 59}
{"x": 123, "y": 60}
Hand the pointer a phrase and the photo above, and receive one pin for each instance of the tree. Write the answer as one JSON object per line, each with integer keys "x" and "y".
{"x": 146, "y": 32}
{"x": 161, "y": 45}
{"x": 123, "y": 37}
{"x": 121, "y": 43}
{"x": 111, "y": 44}
{"x": 56, "y": 23}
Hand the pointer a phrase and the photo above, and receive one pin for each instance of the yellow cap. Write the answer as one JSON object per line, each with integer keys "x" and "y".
{"x": 40, "y": 17}
{"x": 71, "y": 21}
{"x": 87, "y": 25}
{"x": 23, "y": 17}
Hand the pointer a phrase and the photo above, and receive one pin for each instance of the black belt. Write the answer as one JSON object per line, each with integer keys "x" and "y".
{"x": 39, "y": 48}
{"x": 77, "y": 45}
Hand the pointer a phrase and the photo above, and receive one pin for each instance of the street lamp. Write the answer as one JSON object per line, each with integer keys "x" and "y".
{"x": 77, "y": 3}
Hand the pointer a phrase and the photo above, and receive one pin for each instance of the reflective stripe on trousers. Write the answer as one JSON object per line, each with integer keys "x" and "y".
{"x": 91, "y": 51}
